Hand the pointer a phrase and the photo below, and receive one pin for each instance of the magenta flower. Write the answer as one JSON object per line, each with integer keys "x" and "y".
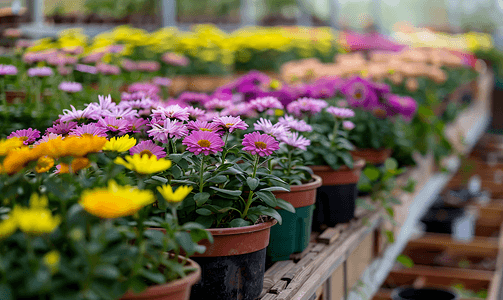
{"x": 174, "y": 59}
{"x": 203, "y": 126}
{"x": 341, "y": 113}
{"x": 193, "y": 98}
{"x": 148, "y": 66}
{"x": 113, "y": 124}
{"x": 128, "y": 65}
{"x": 70, "y": 87}
{"x": 107, "y": 69}
{"x": 146, "y": 87}
{"x": 161, "y": 81}
{"x": 217, "y": 104}
{"x": 406, "y": 106}
{"x": 144, "y": 103}
{"x": 265, "y": 103}
{"x": 149, "y": 148}
{"x": 295, "y": 124}
{"x": 7, "y": 70}
{"x": 171, "y": 112}
{"x": 360, "y": 93}
{"x": 64, "y": 71}
{"x": 230, "y": 123}
{"x": 295, "y": 140}
{"x": 136, "y": 124}
{"x": 203, "y": 141}
{"x": 239, "y": 109}
{"x": 40, "y": 72}
{"x": 89, "y": 129}
{"x": 259, "y": 144}
{"x": 86, "y": 69}
{"x": 277, "y": 130}
{"x": 61, "y": 128}
{"x": 93, "y": 57}
{"x": 28, "y": 136}
{"x": 195, "y": 113}
{"x": 168, "y": 129}
{"x": 47, "y": 137}
{"x": 120, "y": 112}
{"x": 308, "y": 106}
{"x": 90, "y": 112}
{"x": 348, "y": 125}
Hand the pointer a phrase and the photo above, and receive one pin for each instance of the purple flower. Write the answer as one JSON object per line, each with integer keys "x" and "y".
{"x": 40, "y": 72}
{"x": 89, "y": 112}
{"x": 70, "y": 87}
{"x": 146, "y": 87}
{"x": 174, "y": 59}
{"x": 277, "y": 130}
{"x": 149, "y": 148}
{"x": 360, "y": 93}
{"x": 406, "y": 106}
{"x": 120, "y": 112}
{"x": 203, "y": 141}
{"x": 307, "y": 106}
{"x": 107, "y": 69}
{"x": 171, "y": 112}
{"x": 230, "y": 123}
{"x": 168, "y": 129}
{"x": 295, "y": 140}
{"x": 28, "y": 136}
{"x": 93, "y": 57}
{"x": 294, "y": 124}
{"x": 341, "y": 113}
{"x": 217, "y": 104}
{"x": 210, "y": 116}
{"x": 348, "y": 125}
{"x": 113, "y": 124}
{"x": 161, "y": 81}
{"x": 128, "y": 65}
{"x": 47, "y": 137}
{"x": 89, "y": 129}
{"x": 148, "y": 66}
{"x": 193, "y": 98}
{"x": 265, "y": 103}
{"x": 259, "y": 144}
{"x": 203, "y": 126}
{"x": 136, "y": 124}
{"x": 64, "y": 71}
{"x": 8, "y": 70}
{"x": 86, "y": 69}
{"x": 144, "y": 103}
{"x": 195, "y": 113}
{"x": 61, "y": 128}
{"x": 240, "y": 109}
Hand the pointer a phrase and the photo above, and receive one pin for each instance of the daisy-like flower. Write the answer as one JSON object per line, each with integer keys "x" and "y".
{"x": 115, "y": 201}
{"x": 86, "y": 69}
{"x": 143, "y": 103}
{"x": 174, "y": 197}
{"x": 259, "y": 144}
{"x": 148, "y": 66}
{"x": 277, "y": 130}
{"x": 360, "y": 93}
{"x": 148, "y": 148}
{"x": 28, "y": 136}
{"x": 203, "y": 126}
{"x": 104, "y": 103}
{"x": 144, "y": 164}
{"x": 120, "y": 113}
{"x": 107, "y": 69}
{"x": 169, "y": 129}
{"x": 195, "y": 113}
{"x": 113, "y": 124}
{"x": 44, "y": 164}
{"x": 193, "y": 98}
{"x": 161, "y": 81}
{"x": 295, "y": 124}
{"x": 265, "y": 103}
{"x": 7, "y": 70}
{"x": 120, "y": 144}
{"x": 40, "y": 72}
{"x": 341, "y": 113}
{"x": 171, "y": 112}
{"x": 406, "y": 106}
{"x": 70, "y": 87}
{"x": 308, "y": 106}
{"x": 61, "y": 127}
{"x": 217, "y": 104}
{"x": 174, "y": 59}
{"x": 203, "y": 141}
{"x": 295, "y": 140}
{"x": 239, "y": 109}
{"x": 136, "y": 125}
{"x": 230, "y": 123}
{"x": 89, "y": 130}
{"x": 47, "y": 137}
{"x": 9, "y": 144}
{"x": 348, "y": 125}
{"x": 90, "y": 112}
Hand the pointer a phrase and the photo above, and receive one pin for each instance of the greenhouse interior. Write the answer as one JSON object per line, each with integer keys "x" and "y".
{"x": 251, "y": 149}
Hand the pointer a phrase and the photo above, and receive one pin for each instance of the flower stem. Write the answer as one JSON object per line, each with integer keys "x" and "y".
{"x": 224, "y": 153}
{"x": 4, "y": 92}
{"x": 250, "y": 196}
{"x": 336, "y": 127}
{"x": 201, "y": 177}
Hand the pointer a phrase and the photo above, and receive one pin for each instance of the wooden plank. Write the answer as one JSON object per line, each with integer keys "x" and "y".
{"x": 336, "y": 284}
{"x": 278, "y": 287}
{"x": 274, "y": 274}
{"x": 269, "y": 297}
{"x": 358, "y": 261}
{"x": 479, "y": 246}
{"x": 297, "y": 269}
{"x": 318, "y": 248}
{"x": 495, "y": 286}
{"x": 329, "y": 235}
{"x": 298, "y": 256}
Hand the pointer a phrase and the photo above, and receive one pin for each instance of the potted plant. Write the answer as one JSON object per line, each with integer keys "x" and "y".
{"x": 294, "y": 233}
{"x": 80, "y": 233}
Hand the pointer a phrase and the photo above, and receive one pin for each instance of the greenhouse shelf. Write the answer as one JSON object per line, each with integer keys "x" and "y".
{"x": 376, "y": 273}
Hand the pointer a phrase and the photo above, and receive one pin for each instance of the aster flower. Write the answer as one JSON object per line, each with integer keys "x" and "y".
{"x": 89, "y": 129}
{"x": 193, "y": 98}
{"x": 169, "y": 129}
{"x": 341, "y": 113}
{"x": 195, "y": 113}
{"x": 161, "y": 81}
{"x": 47, "y": 137}
{"x": 295, "y": 140}
{"x": 203, "y": 141}
{"x": 93, "y": 57}
{"x": 113, "y": 124}
{"x": 120, "y": 112}
{"x": 136, "y": 124}
{"x": 86, "y": 69}
{"x": 174, "y": 59}
{"x": 89, "y": 112}
{"x": 28, "y": 136}
{"x": 360, "y": 93}
{"x": 144, "y": 103}
{"x": 348, "y": 125}
{"x": 40, "y": 72}
{"x": 308, "y": 106}
{"x": 406, "y": 106}
{"x": 265, "y": 103}
{"x": 128, "y": 65}
{"x": 148, "y": 148}
{"x": 64, "y": 71}
{"x": 144, "y": 164}
{"x": 146, "y": 87}
{"x": 210, "y": 116}
{"x": 217, "y": 104}
{"x": 171, "y": 112}
{"x": 230, "y": 123}
{"x": 61, "y": 127}
{"x": 295, "y": 124}
{"x": 7, "y": 70}
{"x": 277, "y": 130}
{"x": 259, "y": 144}
{"x": 70, "y": 87}
{"x": 203, "y": 126}
{"x": 107, "y": 69}
{"x": 239, "y": 109}
{"x": 120, "y": 144}
{"x": 148, "y": 66}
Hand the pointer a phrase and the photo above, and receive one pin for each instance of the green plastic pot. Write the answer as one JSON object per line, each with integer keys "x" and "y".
{"x": 294, "y": 233}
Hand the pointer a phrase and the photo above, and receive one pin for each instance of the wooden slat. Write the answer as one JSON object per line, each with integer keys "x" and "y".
{"x": 481, "y": 246}
{"x": 329, "y": 235}
{"x": 274, "y": 274}
{"x": 495, "y": 287}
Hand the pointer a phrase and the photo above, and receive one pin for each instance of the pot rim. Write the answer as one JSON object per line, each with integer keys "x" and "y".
{"x": 359, "y": 163}
{"x": 244, "y": 229}
{"x": 304, "y": 187}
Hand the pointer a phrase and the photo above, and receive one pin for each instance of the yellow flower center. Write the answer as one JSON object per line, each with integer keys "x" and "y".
{"x": 147, "y": 152}
{"x": 229, "y": 125}
{"x": 205, "y": 129}
{"x": 113, "y": 126}
{"x": 87, "y": 135}
{"x": 260, "y": 145}
{"x": 358, "y": 95}
{"x": 204, "y": 143}
{"x": 23, "y": 138}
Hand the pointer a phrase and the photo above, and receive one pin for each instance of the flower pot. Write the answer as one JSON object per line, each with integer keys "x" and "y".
{"x": 175, "y": 290}
{"x": 373, "y": 156}
{"x": 233, "y": 266}
{"x": 335, "y": 200}
{"x": 409, "y": 293}
{"x": 294, "y": 233}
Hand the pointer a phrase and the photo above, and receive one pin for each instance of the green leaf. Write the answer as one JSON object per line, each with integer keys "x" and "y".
{"x": 347, "y": 159}
{"x": 372, "y": 173}
{"x": 218, "y": 179}
{"x": 252, "y": 183}
{"x": 271, "y": 212}
{"x": 276, "y": 188}
{"x": 158, "y": 178}
{"x": 405, "y": 261}
{"x": 360, "y": 202}
{"x": 390, "y": 211}
{"x": 268, "y": 197}
{"x": 203, "y": 211}
{"x": 107, "y": 271}
{"x": 201, "y": 198}
{"x": 154, "y": 277}
{"x": 239, "y": 223}
{"x": 6, "y": 292}
{"x": 391, "y": 164}
{"x": 185, "y": 240}
{"x": 390, "y": 236}
{"x": 286, "y": 205}
{"x": 228, "y": 192}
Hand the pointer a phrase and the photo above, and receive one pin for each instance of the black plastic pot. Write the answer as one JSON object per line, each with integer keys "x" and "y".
{"x": 441, "y": 220}
{"x": 231, "y": 277}
{"x": 409, "y": 293}
{"x": 334, "y": 204}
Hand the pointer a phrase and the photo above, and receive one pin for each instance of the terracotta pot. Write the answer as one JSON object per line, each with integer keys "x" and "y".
{"x": 343, "y": 175}
{"x": 175, "y": 290}
{"x": 178, "y": 85}
{"x": 373, "y": 156}
{"x": 301, "y": 195}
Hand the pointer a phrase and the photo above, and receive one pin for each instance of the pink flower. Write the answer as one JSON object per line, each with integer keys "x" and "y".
{"x": 107, "y": 69}
{"x": 168, "y": 129}
{"x": 203, "y": 126}
{"x": 217, "y": 104}
{"x": 277, "y": 130}
{"x": 240, "y": 109}
{"x": 47, "y": 137}
{"x": 259, "y": 144}
{"x": 266, "y": 103}
{"x": 171, "y": 112}
{"x": 89, "y": 129}
{"x": 348, "y": 125}
{"x": 86, "y": 69}
{"x": 308, "y": 106}
{"x": 113, "y": 124}
{"x": 295, "y": 140}
{"x": 61, "y": 127}
{"x": 195, "y": 113}
{"x": 161, "y": 81}
{"x": 203, "y": 141}
{"x": 174, "y": 59}
{"x": 28, "y": 136}
{"x": 149, "y": 148}
{"x": 230, "y": 123}
{"x": 70, "y": 87}
{"x": 148, "y": 66}
{"x": 90, "y": 112}
{"x": 294, "y": 124}
{"x": 136, "y": 124}
{"x": 40, "y": 72}
{"x": 341, "y": 113}
{"x": 8, "y": 70}
{"x": 146, "y": 87}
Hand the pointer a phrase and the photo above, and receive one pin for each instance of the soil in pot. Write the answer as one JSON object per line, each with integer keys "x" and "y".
{"x": 410, "y": 293}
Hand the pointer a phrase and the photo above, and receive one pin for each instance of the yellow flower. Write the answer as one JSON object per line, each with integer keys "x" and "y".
{"x": 34, "y": 220}
{"x": 275, "y": 84}
{"x": 79, "y": 163}
{"x": 279, "y": 112}
{"x": 144, "y": 164}
{"x": 44, "y": 164}
{"x": 72, "y": 146}
{"x": 17, "y": 159}
{"x": 9, "y": 144}
{"x": 51, "y": 260}
{"x": 37, "y": 201}
{"x": 121, "y": 144}
{"x": 115, "y": 201}
{"x": 64, "y": 168}
{"x": 174, "y": 197}
{"x": 7, "y": 227}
